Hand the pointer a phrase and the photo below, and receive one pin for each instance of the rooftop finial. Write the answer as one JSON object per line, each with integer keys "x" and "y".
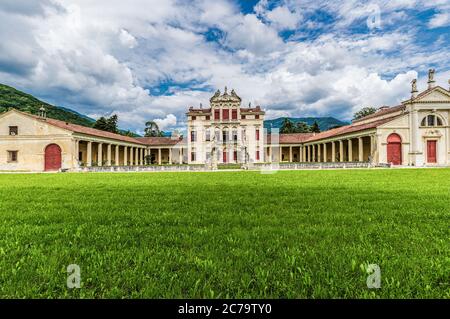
{"x": 249, "y": 104}
{"x": 414, "y": 87}
{"x": 431, "y": 80}
{"x": 201, "y": 105}
{"x": 449, "y": 85}
{"x": 225, "y": 93}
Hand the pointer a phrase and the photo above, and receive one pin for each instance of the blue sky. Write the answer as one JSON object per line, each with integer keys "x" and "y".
{"x": 152, "y": 59}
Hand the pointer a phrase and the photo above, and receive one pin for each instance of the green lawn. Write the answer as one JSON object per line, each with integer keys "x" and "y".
{"x": 293, "y": 234}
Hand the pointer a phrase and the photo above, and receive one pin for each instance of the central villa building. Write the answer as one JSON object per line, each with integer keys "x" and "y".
{"x": 415, "y": 132}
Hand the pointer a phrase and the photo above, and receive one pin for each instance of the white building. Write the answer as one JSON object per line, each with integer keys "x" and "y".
{"x": 225, "y": 132}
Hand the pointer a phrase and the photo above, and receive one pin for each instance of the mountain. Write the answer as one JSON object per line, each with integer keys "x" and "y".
{"x": 12, "y": 98}
{"x": 325, "y": 123}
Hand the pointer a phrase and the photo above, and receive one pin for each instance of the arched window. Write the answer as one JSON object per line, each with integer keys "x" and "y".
{"x": 431, "y": 120}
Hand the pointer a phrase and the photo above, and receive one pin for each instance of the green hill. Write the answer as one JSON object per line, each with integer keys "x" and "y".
{"x": 12, "y": 98}
{"x": 325, "y": 123}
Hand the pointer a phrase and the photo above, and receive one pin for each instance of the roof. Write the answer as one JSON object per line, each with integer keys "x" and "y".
{"x": 292, "y": 138}
{"x": 382, "y": 112}
{"x": 427, "y": 91}
{"x": 352, "y": 128}
{"x": 159, "y": 140}
{"x": 251, "y": 109}
{"x": 192, "y": 110}
{"x": 84, "y": 129}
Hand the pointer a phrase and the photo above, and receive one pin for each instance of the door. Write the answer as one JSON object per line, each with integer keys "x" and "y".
{"x": 394, "y": 149}
{"x": 224, "y": 156}
{"x": 431, "y": 152}
{"x": 52, "y": 157}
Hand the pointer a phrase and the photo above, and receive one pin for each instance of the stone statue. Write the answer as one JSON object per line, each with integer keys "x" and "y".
{"x": 431, "y": 75}
{"x": 225, "y": 93}
{"x": 414, "y": 85}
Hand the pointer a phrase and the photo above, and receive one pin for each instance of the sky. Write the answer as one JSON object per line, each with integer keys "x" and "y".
{"x": 153, "y": 59}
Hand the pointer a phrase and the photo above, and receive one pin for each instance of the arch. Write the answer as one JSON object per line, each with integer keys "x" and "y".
{"x": 394, "y": 149}
{"x": 52, "y": 158}
{"x": 432, "y": 120}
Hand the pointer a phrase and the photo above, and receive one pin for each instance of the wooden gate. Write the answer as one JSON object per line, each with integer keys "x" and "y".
{"x": 52, "y": 157}
{"x": 394, "y": 149}
{"x": 431, "y": 152}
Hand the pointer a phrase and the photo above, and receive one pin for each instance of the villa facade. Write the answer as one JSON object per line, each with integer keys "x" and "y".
{"x": 413, "y": 133}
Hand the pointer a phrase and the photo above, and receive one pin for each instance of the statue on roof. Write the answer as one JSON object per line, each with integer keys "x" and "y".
{"x": 414, "y": 85}
{"x": 431, "y": 75}
{"x": 225, "y": 93}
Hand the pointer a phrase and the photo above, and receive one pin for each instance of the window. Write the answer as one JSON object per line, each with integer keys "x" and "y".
{"x": 194, "y": 118}
{"x": 257, "y": 116}
{"x": 13, "y": 130}
{"x": 243, "y": 117}
{"x": 193, "y": 156}
{"x": 208, "y": 135}
{"x": 80, "y": 156}
{"x": 226, "y": 114}
{"x": 257, "y": 134}
{"x": 193, "y": 136}
{"x": 12, "y": 156}
{"x": 257, "y": 155}
{"x": 217, "y": 114}
{"x": 235, "y": 137}
{"x": 208, "y": 117}
{"x": 225, "y": 136}
{"x": 235, "y": 156}
{"x": 431, "y": 120}
{"x": 234, "y": 114}
{"x": 217, "y": 136}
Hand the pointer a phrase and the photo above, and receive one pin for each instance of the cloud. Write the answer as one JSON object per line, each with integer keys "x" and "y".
{"x": 440, "y": 20}
{"x": 169, "y": 121}
{"x": 151, "y": 59}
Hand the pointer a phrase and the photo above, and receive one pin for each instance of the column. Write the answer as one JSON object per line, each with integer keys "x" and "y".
{"x": 136, "y": 153}
{"x": 290, "y": 154}
{"x": 313, "y": 157}
{"x": 372, "y": 144}
{"x": 325, "y": 155}
{"x": 319, "y": 153}
{"x": 360, "y": 149}
{"x": 89, "y": 154}
{"x": 117, "y": 156}
{"x": 180, "y": 154}
{"x": 100, "y": 154}
{"x": 142, "y": 156}
{"x": 333, "y": 152}
{"x": 300, "y": 152}
{"x": 108, "y": 155}
{"x": 77, "y": 152}
{"x": 270, "y": 154}
{"x": 125, "y": 155}
{"x": 341, "y": 151}
{"x": 170, "y": 156}
{"x": 304, "y": 153}
{"x": 159, "y": 156}
{"x": 350, "y": 150}
{"x": 280, "y": 154}
{"x": 131, "y": 156}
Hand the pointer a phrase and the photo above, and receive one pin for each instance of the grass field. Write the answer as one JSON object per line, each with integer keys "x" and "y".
{"x": 293, "y": 234}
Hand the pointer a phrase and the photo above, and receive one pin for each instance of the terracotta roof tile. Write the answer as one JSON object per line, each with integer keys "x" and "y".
{"x": 381, "y": 113}
{"x": 293, "y": 138}
{"x": 355, "y": 127}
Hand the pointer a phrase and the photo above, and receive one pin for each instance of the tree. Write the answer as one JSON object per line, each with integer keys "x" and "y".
{"x": 112, "y": 124}
{"x": 364, "y": 112}
{"x": 302, "y": 127}
{"x": 107, "y": 124}
{"x": 287, "y": 126}
{"x": 315, "y": 127}
{"x": 152, "y": 129}
{"x": 101, "y": 124}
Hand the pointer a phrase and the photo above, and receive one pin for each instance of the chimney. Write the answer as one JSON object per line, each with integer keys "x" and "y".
{"x": 431, "y": 81}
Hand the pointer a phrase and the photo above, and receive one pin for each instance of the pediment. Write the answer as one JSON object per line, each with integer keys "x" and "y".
{"x": 437, "y": 94}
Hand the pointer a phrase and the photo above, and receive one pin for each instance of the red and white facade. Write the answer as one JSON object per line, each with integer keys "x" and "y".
{"x": 225, "y": 133}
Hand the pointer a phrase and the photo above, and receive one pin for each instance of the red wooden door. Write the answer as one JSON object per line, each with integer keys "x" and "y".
{"x": 224, "y": 156}
{"x": 394, "y": 149}
{"x": 431, "y": 152}
{"x": 52, "y": 157}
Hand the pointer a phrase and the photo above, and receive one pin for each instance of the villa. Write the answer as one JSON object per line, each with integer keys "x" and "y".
{"x": 414, "y": 133}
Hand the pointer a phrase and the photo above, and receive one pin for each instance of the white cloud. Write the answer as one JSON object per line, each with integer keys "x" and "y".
{"x": 169, "y": 121}
{"x": 440, "y": 20}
